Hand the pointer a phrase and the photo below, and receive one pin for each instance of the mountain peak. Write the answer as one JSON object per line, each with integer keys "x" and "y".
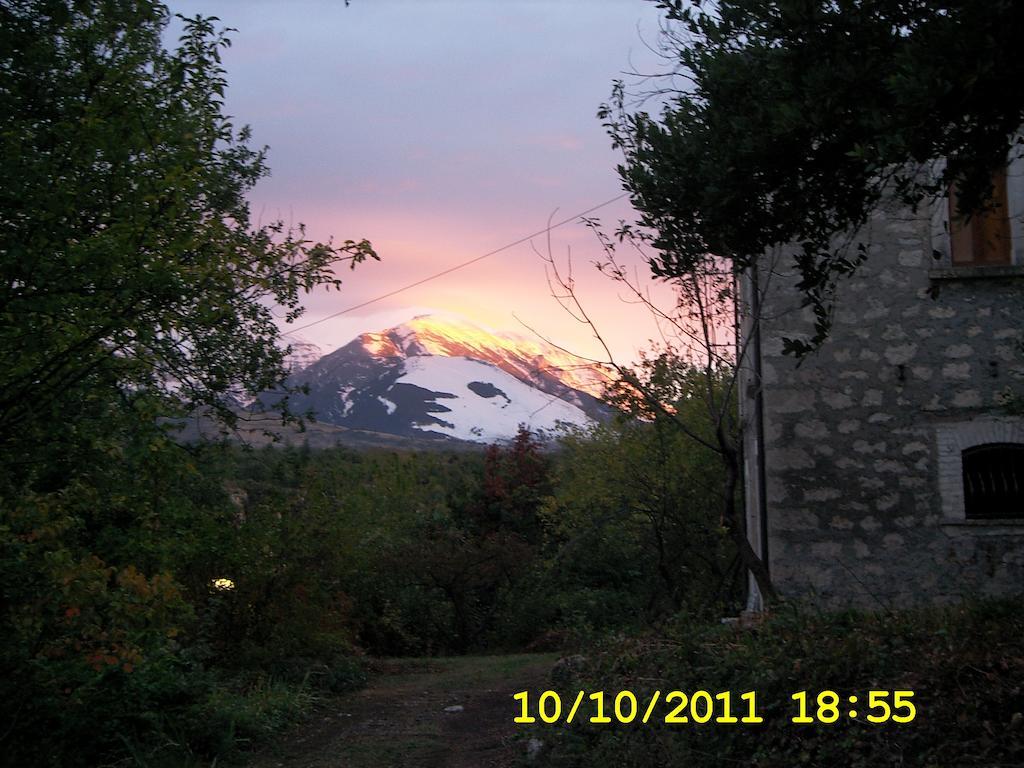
{"x": 443, "y": 375}
{"x": 379, "y": 344}
{"x": 443, "y": 334}
{"x": 302, "y": 352}
{"x": 452, "y": 335}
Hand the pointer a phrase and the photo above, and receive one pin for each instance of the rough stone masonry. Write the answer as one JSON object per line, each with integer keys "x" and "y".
{"x": 863, "y": 440}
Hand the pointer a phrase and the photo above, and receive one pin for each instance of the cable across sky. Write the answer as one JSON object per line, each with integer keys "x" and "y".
{"x": 461, "y": 265}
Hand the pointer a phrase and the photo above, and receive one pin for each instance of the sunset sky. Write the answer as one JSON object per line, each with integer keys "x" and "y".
{"x": 441, "y": 130}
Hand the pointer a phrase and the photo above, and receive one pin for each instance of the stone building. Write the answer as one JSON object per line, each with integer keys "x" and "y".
{"x": 885, "y": 470}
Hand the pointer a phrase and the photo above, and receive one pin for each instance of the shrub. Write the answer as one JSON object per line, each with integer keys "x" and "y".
{"x": 965, "y": 666}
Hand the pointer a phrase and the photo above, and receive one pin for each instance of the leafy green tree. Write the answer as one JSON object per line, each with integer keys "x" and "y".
{"x": 130, "y": 268}
{"x": 634, "y": 527}
{"x": 133, "y": 286}
{"x": 697, "y": 363}
{"x": 798, "y": 116}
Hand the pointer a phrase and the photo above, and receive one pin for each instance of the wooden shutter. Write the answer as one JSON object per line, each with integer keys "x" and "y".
{"x": 994, "y": 225}
{"x": 981, "y": 238}
{"x": 960, "y": 237}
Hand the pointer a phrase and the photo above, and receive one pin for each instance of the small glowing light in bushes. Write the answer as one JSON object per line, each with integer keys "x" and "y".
{"x": 223, "y": 584}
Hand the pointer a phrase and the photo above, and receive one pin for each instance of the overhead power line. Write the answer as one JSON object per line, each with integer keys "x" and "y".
{"x": 463, "y": 265}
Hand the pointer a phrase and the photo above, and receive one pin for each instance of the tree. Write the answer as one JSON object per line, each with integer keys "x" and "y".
{"x": 698, "y": 363}
{"x": 131, "y": 273}
{"x": 516, "y": 479}
{"x": 635, "y": 518}
{"x": 800, "y": 115}
{"x": 133, "y": 286}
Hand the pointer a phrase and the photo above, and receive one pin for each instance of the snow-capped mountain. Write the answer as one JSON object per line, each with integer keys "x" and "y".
{"x": 302, "y": 352}
{"x": 443, "y": 376}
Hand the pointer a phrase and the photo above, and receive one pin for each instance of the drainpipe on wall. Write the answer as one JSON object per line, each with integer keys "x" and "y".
{"x": 755, "y": 603}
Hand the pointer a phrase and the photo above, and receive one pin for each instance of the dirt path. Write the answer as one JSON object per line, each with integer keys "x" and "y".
{"x": 399, "y": 720}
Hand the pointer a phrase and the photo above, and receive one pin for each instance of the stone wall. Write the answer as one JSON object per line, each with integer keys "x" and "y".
{"x": 863, "y": 439}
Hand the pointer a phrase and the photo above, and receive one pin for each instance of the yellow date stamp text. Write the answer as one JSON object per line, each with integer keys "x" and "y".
{"x": 700, "y": 707}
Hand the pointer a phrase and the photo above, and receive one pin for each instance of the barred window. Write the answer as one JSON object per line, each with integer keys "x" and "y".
{"x": 994, "y": 481}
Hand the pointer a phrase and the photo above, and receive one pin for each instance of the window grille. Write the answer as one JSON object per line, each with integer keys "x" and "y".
{"x": 994, "y": 481}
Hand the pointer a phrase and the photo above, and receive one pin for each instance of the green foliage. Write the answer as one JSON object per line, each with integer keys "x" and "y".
{"x": 133, "y": 287}
{"x": 251, "y": 710}
{"x": 448, "y": 547}
{"x": 634, "y": 531}
{"x": 129, "y": 266}
{"x": 798, "y": 117}
{"x": 90, "y": 648}
{"x": 634, "y": 524}
{"x": 128, "y": 643}
{"x": 963, "y": 664}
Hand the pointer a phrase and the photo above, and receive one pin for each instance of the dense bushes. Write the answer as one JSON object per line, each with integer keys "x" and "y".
{"x": 120, "y": 643}
{"x": 198, "y": 596}
{"x": 965, "y": 666}
{"x": 634, "y": 526}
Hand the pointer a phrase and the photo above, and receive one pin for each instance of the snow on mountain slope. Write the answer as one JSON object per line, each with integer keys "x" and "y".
{"x": 303, "y": 353}
{"x": 488, "y": 403}
{"x": 523, "y": 357}
{"x": 444, "y": 376}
